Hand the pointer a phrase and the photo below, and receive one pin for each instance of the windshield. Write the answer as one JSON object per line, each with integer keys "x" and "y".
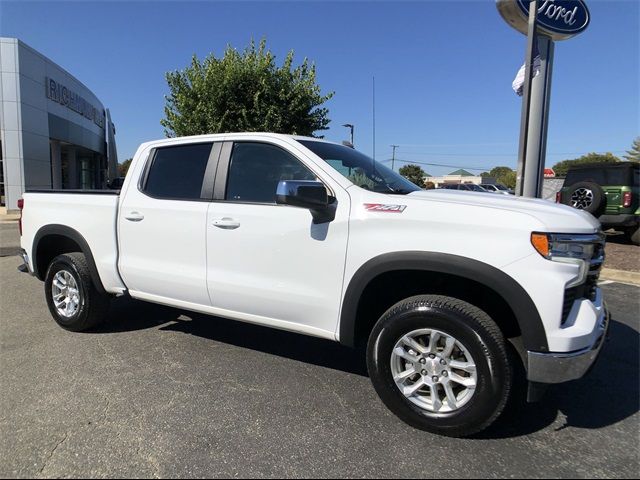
{"x": 360, "y": 169}
{"x": 474, "y": 187}
{"x": 500, "y": 187}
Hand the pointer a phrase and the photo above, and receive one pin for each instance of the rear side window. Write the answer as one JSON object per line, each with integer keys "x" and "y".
{"x": 178, "y": 172}
{"x": 256, "y": 169}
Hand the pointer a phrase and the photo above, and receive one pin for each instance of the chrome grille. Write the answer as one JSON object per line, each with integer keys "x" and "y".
{"x": 588, "y": 289}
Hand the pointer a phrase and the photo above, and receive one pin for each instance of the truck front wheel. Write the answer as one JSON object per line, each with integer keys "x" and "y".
{"x": 73, "y": 300}
{"x": 440, "y": 364}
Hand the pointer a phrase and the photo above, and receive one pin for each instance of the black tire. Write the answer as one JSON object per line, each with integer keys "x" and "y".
{"x": 93, "y": 305}
{"x": 473, "y": 328}
{"x": 594, "y": 205}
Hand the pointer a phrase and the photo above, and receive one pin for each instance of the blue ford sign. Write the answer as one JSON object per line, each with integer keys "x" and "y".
{"x": 558, "y": 19}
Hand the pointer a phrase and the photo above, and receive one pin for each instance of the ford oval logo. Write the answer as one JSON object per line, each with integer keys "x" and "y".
{"x": 558, "y": 19}
{"x": 559, "y": 16}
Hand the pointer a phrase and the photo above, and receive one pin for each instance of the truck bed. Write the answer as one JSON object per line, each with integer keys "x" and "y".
{"x": 91, "y": 213}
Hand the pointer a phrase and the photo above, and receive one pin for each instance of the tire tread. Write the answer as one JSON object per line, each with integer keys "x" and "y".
{"x": 97, "y": 304}
{"x": 483, "y": 322}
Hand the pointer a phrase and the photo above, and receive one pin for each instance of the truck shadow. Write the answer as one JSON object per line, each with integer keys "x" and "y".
{"x": 131, "y": 315}
{"x": 606, "y": 396}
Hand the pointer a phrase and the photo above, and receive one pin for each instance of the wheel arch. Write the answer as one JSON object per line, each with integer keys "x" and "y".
{"x": 53, "y": 240}
{"x": 467, "y": 270}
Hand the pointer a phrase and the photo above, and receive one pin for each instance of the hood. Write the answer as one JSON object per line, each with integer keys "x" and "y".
{"x": 557, "y": 218}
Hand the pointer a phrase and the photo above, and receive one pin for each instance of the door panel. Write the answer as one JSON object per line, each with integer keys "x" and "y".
{"x": 277, "y": 263}
{"x": 271, "y": 260}
{"x": 163, "y": 239}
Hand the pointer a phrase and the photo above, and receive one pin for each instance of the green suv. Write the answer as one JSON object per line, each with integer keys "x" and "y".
{"x": 609, "y": 191}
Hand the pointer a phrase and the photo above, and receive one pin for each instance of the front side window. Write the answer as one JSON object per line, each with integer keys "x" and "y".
{"x": 178, "y": 172}
{"x": 257, "y": 168}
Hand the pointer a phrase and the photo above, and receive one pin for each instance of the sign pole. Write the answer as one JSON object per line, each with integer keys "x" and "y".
{"x": 538, "y": 122}
{"x": 526, "y": 99}
{"x": 543, "y": 21}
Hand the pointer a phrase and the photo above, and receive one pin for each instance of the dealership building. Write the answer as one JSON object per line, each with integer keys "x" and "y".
{"x": 54, "y": 131}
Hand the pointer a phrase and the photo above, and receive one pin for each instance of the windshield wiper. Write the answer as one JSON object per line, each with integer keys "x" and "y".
{"x": 396, "y": 191}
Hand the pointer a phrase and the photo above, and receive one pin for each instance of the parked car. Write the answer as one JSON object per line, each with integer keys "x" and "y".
{"x": 468, "y": 187}
{"x": 434, "y": 287}
{"x": 497, "y": 188}
{"x": 608, "y": 191}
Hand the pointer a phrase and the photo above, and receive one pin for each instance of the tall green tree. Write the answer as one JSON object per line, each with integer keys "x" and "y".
{"x": 561, "y": 168}
{"x": 414, "y": 174}
{"x": 633, "y": 155}
{"x": 245, "y": 92}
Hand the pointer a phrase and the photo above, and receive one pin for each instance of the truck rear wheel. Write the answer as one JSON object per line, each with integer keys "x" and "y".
{"x": 440, "y": 365}
{"x": 73, "y": 300}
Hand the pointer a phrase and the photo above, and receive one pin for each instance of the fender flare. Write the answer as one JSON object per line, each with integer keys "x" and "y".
{"x": 68, "y": 232}
{"x": 526, "y": 312}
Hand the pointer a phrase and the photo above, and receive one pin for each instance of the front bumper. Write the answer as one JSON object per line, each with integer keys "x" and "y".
{"x": 562, "y": 367}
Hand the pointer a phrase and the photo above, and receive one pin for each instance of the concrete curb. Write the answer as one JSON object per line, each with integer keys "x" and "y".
{"x": 621, "y": 276}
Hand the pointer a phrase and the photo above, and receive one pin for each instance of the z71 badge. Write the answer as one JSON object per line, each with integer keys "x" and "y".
{"x": 381, "y": 207}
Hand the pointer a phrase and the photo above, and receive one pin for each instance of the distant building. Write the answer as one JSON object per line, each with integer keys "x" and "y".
{"x": 54, "y": 132}
{"x": 458, "y": 176}
{"x": 462, "y": 173}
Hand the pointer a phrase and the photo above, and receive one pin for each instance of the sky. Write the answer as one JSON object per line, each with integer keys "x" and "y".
{"x": 443, "y": 69}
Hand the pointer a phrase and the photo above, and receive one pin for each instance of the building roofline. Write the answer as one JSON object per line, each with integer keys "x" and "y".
{"x": 44, "y": 57}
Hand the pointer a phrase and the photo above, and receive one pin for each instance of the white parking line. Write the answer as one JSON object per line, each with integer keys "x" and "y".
{"x": 605, "y": 282}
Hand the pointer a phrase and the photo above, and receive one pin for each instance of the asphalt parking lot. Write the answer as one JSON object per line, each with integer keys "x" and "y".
{"x": 157, "y": 392}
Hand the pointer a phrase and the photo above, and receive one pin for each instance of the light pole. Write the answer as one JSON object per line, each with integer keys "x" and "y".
{"x": 350, "y": 127}
{"x": 393, "y": 155}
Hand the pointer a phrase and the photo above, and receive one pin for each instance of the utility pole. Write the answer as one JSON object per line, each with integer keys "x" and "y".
{"x": 393, "y": 155}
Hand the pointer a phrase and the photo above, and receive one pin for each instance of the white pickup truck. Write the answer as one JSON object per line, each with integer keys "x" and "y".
{"x": 445, "y": 290}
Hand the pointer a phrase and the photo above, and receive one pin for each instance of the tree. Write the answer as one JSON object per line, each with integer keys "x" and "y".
{"x": 508, "y": 179}
{"x": 123, "y": 167}
{"x": 244, "y": 92}
{"x": 414, "y": 174}
{"x": 561, "y": 168}
{"x": 634, "y": 153}
{"x": 504, "y": 175}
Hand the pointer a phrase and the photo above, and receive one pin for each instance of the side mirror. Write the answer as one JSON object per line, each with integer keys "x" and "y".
{"x": 307, "y": 194}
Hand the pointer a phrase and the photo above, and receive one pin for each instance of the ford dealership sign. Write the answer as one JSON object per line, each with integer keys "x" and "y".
{"x": 558, "y": 19}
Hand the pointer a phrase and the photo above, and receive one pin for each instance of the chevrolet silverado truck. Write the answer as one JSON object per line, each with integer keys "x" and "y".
{"x": 444, "y": 292}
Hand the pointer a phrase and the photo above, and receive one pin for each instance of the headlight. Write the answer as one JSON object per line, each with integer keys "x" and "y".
{"x": 575, "y": 249}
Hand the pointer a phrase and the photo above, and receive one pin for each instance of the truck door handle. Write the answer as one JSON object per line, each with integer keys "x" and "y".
{"x": 225, "y": 223}
{"x": 134, "y": 216}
